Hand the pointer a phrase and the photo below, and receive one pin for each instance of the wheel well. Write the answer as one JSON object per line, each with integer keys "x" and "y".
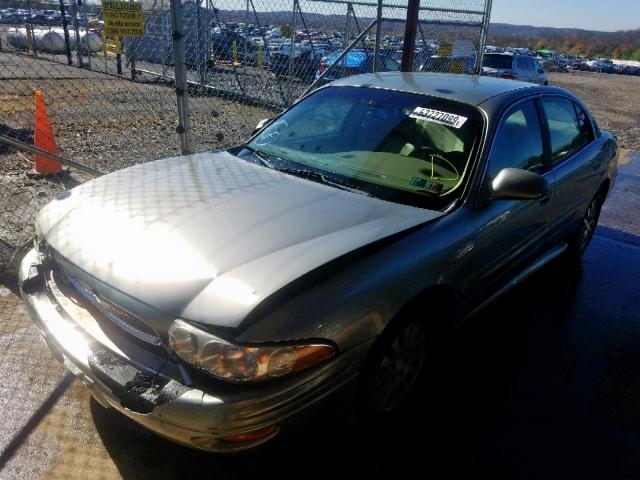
{"x": 604, "y": 188}
{"x": 437, "y": 301}
{"x": 430, "y": 303}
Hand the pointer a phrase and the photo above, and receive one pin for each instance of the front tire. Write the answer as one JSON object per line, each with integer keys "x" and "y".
{"x": 394, "y": 368}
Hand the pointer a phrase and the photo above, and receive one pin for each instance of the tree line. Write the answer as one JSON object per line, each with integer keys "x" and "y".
{"x": 623, "y": 45}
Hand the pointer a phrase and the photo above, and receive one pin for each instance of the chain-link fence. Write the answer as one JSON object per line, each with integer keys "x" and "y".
{"x": 200, "y": 77}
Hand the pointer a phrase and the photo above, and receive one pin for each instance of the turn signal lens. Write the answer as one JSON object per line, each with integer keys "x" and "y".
{"x": 251, "y": 436}
{"x": 237, "y": 363}
{"x": 228, "y": 362}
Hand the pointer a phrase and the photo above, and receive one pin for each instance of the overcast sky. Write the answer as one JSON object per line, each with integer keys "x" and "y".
{"x": 589, "y": 14}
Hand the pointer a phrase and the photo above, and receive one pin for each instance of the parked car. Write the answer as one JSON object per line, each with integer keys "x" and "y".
{"x": 354, "y": 63}
{"x": 215, "y": 297}
{"x": 305, "y": 63}
{"x": 514, "y": 67}
{"x": 229, "y": 45}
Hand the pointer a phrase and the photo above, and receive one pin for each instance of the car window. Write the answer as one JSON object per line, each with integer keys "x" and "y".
{"x": 518, "y": 141}
{"x": 501, "y": 62}
{"x": 566, "y": 132}
{"x": 328, "y": 118}
{"x": 397, "y": 146}
{"x": 521, "y": 63}
{"x": 584, "y": 124}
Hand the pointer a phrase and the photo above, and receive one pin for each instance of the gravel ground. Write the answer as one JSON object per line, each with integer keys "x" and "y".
{"x": 101, "y": 121}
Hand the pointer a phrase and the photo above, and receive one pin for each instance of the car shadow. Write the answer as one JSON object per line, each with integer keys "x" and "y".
{"x": 471, "y": 377}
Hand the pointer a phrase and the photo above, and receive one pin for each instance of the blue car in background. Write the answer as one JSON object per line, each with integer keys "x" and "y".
{"x": 355, "y": 63}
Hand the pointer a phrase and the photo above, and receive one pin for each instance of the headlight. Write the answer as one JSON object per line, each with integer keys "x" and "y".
{"x": 237, "y": 363}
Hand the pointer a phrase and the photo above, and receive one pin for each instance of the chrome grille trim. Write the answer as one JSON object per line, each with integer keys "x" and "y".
{"x": 122, "y": 318}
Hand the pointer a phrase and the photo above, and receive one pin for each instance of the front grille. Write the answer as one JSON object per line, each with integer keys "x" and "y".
{"x": 127, "y": 321}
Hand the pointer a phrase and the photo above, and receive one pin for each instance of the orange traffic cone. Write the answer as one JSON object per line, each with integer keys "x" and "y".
{"x": 43, "y": 138}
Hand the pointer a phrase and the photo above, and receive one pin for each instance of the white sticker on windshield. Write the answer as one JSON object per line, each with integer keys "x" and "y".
{"x": 443, "y": 118}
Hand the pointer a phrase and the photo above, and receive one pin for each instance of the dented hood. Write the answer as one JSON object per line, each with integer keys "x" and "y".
{"x": 209, "y": 236}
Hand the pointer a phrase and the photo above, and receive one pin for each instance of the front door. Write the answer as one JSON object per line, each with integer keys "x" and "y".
{"x": 512, "y": 232}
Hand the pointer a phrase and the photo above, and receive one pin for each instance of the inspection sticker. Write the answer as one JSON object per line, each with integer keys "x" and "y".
{"x": 443, "y": 118}
{"x": 432, "y": 187}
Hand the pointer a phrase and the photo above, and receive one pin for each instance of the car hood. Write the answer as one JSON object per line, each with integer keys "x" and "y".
{"x": 209, "y": 236}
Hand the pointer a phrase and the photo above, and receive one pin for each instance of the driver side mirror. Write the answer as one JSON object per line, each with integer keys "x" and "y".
{"x": 518, "y": 184}
{"x": 261, "y": 124}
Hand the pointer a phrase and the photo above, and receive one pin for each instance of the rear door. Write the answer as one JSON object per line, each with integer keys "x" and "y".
{"x": 576, "y": 160}
{"x": 512, "y": 232}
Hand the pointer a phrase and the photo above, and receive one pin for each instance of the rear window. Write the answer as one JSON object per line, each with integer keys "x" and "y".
{"x": 501, "y": 62}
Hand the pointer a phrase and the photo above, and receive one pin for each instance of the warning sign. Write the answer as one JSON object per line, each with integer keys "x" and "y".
{"x": 122, "y": 19}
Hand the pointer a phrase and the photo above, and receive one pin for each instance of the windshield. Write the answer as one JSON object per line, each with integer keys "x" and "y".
{"x": 398, "y": 146}
{"x": 500, "y": 62}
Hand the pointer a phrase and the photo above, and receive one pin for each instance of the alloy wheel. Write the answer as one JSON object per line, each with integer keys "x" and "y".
{"x": 399, "y": 368}
{"x": 589, "y": 223}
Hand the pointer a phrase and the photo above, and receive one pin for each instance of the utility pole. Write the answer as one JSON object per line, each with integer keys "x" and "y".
{"x": 408, "y": 47}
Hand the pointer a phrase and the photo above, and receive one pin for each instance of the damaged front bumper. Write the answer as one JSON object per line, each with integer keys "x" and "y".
{"x": 146, "y": 388}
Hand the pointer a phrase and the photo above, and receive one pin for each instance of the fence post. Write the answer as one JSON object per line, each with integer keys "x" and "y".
{"x": 76, "y": 28}
{"x": 29, "y": 27}
{"x": 409, "y": 45}
{"x": 477, "y": 68}
{"x": 292, "y": 54}
{"x": 65, "y": 29}
{"x": 376, "y": 51}
{"x": 184, "y": 124}
{"x": 347, "y": 26}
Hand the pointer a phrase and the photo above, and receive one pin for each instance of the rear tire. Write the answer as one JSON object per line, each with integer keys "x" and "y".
{"x": 582, "y": 238}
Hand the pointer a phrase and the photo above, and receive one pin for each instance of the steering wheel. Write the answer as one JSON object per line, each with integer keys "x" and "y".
{"x": 433, "y": 155}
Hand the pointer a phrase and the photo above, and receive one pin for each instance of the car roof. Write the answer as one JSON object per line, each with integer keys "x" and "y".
{"x": 470, "y": 89}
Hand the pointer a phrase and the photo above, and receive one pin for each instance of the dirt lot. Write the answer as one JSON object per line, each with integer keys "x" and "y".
{"x": 613, "y": 99}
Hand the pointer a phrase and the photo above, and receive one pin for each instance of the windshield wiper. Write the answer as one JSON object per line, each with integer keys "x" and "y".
{"x": 320, "y": 178}
{"x": 264, "y": 159}
{"x": 300, "y": 172}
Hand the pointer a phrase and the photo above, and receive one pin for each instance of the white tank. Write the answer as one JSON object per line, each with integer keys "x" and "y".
{"x": 48, "y": 41}
{"x": 17, "y": 38}
{"x": 52, "y": 40}
{"x": 90, "y": 41}
{"x": 72, "y": 35}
